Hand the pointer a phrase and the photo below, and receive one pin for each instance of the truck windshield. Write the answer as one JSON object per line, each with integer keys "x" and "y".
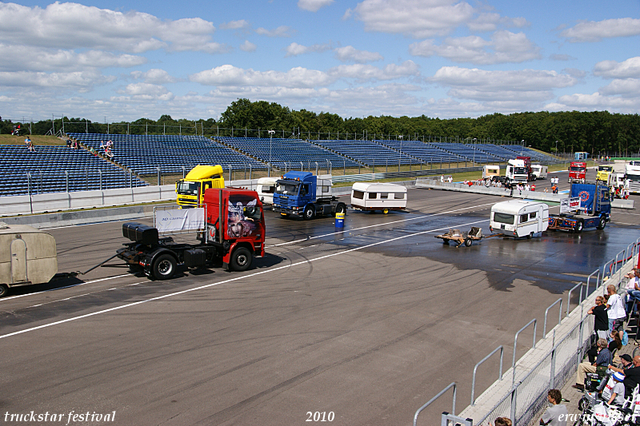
{"x": 633, "y": 178}
{"x": 519, "y": 171}
{"x": 503, "y": 218}
{"x": 287, "y": 188}
{"x": 605, "y": 168}
{"x": 187, "y": 188}
{"x": 577, "y": 169}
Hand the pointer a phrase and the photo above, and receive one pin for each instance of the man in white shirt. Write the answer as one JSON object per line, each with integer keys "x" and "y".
{"x": 615, "y": 310}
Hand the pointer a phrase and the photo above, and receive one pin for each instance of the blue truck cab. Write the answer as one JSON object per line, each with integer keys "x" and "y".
{"x": 304, "y": 195}
{"x": 594, "y": 211}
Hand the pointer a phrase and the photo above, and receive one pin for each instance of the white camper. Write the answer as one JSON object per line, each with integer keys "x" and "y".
{"x": 378, "y": 196}
{"x": 265, "y": 189}
{"x": 539, "y": 171}
{"x": 27, "y": 256}
{"x": 519, "y": 218}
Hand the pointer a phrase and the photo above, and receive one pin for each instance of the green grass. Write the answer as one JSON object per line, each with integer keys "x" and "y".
{"x": 35, "y": 139}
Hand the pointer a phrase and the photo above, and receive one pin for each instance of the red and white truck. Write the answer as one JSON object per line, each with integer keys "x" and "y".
{"x": 577, "y": 172}
{"x": 234, "y": 233}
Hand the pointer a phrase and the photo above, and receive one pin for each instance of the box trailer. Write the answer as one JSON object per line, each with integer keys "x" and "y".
{"x": 378, "y": 196}
{"x": 27, "y": 256}
{"x": 265, "y": 189}
{"x": 519, "y": 218}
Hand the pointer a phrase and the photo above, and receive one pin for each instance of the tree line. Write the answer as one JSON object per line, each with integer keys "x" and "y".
{"x": 596, "y": 132}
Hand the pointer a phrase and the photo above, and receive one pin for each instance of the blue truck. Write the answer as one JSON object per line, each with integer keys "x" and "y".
{"x": 304, "y": 195}
{"x": 592, "y": 212}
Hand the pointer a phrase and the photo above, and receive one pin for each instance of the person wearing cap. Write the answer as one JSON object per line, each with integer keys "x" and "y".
{"x": 614, "y": 391}
{"x": 626, "y": 363}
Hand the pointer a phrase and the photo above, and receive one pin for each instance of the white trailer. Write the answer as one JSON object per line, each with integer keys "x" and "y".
{"x": 27, "y": 256}
{"x": 539, "y": 171}
{"x": 519, "y": 218}
{"x": 265, "y": 189}
{"x": 371, "y": 196}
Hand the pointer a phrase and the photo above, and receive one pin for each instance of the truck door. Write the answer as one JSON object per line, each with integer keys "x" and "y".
{"x": 18, "y": 261}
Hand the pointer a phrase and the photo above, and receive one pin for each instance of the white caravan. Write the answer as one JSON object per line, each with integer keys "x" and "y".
{"x": 519, "y": 218}
{"x": 539, "y": 171}
{"x": 378, "y": 196}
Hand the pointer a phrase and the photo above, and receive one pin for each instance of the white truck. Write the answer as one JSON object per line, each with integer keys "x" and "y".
{"x": 632, "y": 172}
{"x": 372, "y": 196}
{"x": 519, "y": 218}
{"x": 516, "y": 172}
{"x": 265, "y": 189}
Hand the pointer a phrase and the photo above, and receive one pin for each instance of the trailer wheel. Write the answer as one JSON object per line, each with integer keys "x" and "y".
{"x": 241, "y": 259}
{"x": 3, "y": 289}
{"x": 468, "y": 242}
{"x": 579, "y": 226}
{"x": 309, "y": 212}
{"x": 602, "y": 224}
{"x": 164, "y": 267}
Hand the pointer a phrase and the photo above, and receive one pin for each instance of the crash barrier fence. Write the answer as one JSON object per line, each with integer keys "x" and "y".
{"x": 551, "y": 361}
{"x": 476, "y": 188}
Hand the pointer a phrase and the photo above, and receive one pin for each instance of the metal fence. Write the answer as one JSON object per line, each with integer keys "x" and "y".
{"x": 523, "y": 390}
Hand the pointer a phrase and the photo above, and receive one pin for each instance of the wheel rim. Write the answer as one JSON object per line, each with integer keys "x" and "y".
{"x": 242, "y": 259}
{"x": 165, "y": 267}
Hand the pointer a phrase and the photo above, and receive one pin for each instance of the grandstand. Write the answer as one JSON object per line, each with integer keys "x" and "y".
{"x": 58, "y": 169}
{"x": 144, "y": 154}
{"x": 286, "y": 153}
{"x": 369, "y": 153}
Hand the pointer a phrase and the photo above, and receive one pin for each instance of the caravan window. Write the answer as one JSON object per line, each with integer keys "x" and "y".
{"x": 358, "y": 194}
{"x": 503, "y": 218}
{"x": 532, "y": 215}
{"x": 384, "y": 195}
{"x": 524, "y": 218}
{"x": 373, "y": 195}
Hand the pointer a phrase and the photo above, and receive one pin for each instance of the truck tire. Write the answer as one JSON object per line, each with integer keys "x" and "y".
{"x": 468, "y": 242}
{"x": 3, "y": 289}
{"x": 579, "y": 226}
{"x": 309, "y": 212}
{"x": 341, "y": 208}
{"x": 241, "y": 259}
{"x": 602, "y": 224}
{"x": 164, "y": 267}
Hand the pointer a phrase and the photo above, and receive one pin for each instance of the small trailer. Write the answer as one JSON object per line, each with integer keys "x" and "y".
{"x": 372, "y": 196}
{"x": 466, "y": 238}
{"x": 27, "y": 256}
{"x": 265, "y": 189}
{"x": 519, "y": 218}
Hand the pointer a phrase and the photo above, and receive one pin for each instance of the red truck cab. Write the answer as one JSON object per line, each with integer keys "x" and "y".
{"x": 239, "y": 214}
{"x": 577, "y": 171}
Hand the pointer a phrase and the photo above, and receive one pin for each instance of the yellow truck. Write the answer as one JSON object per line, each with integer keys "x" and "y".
{"x": 190, "y": 190}
{"x": 604, "y": 172}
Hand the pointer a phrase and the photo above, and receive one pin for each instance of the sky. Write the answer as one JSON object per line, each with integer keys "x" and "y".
{"x": 111, "y": 61}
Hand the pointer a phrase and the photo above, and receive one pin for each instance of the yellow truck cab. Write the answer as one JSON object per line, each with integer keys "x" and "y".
{"x": 190, "y": 190}
{"x": 604, "y": 172}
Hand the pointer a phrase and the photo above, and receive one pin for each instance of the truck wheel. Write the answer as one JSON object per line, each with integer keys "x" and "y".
{"x": 602, "y": 224}
{"x": 468, "y": 242}
{"x": 341, "y": 208}
{"x": 241, "y": 259}
{"x": 579, "y": 226}
{"x": 3, "y": 289}
{"x": 164, "y": 267}
{"x": 309, "y": 212}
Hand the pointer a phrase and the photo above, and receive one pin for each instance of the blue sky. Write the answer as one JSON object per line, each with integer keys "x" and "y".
{"x": 114, "y": 60}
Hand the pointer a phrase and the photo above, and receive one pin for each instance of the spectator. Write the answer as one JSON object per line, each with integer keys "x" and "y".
{"x": 626, "y": 362}
{"x": 615, "y": 310}
{"x": 603, "y": 360}
{"x": 599, "y": 311}
{"x": 502, "y": 421}
{"x": 633, "y": 290}
{"x": 632, "y": 376}
{"x": 69, "y": 143}
{"x": 557, "y": 414}
{"x": 614, "y": 391}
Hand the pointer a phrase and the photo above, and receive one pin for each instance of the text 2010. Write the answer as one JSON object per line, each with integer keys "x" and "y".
{"x": 320, "y": 416}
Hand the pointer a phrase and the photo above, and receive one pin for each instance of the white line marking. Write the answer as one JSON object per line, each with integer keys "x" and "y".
{"x": 205, "y": 286}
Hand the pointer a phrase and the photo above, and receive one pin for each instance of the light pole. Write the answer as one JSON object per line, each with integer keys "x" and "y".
{"x": 271, "y": 132}
{"x": 475, "y": 140}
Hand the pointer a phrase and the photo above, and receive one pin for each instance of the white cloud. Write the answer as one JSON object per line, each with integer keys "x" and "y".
{"x": 416, "y": 18}
{"x": 521, "y": 85}
{"x": 351, "y": 54}
{"x": 627, "y": 88}
{"x": 281, "y": 31}
{"x": 228, "y": 75}
{"x": 147, "y": 91}
{"x": 595, "y": 31}
{"x": 80, "y": 80}
{"x": 313, "y": 5}
{"x": 504, "y": 47}
{"x": 247, "y": 46}
{"x": 595, "y": 101}
{"x": 72, "y": 26}
{"x": 491, "y": 22}
{"x": 154, "y": 76}
{"x": 363, "y": 72}
{"x": 295, "y": 49}
{"x": 235, "y": 25}
{"x": 612, "y": 69}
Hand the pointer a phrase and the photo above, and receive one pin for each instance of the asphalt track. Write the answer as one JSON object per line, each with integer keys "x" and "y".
{"x": 363, "y": 325}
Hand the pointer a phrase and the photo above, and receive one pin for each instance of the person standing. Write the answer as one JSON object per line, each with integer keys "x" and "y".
{"x": 615, "y": 310}
{"x": 556, "y": 414}
{"x": 599, "y": 311}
